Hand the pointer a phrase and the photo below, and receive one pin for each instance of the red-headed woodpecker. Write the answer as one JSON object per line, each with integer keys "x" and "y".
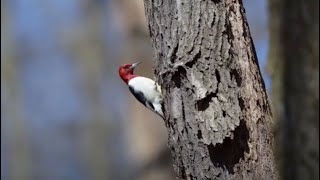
{"x": 147, "y": 91}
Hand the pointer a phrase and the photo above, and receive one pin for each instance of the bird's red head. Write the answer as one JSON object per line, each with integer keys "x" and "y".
{"x": 126, "y": 71}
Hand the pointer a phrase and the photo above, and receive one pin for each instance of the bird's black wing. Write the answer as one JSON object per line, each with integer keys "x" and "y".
{"x": 141, "y": 98}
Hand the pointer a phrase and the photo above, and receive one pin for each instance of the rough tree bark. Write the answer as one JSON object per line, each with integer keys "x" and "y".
{"x": 294, "y": 68}
{"x": 216, "y": 108}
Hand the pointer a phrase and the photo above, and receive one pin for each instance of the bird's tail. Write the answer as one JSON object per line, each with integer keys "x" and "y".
{"x": 158, "y": 109}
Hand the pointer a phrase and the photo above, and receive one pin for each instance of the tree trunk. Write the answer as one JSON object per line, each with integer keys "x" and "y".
{"x": 216, "y": 108}
{"x": 294, "y": 68}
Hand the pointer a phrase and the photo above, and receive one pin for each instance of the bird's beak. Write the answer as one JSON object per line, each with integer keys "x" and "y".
{"x": 134, "y": 65}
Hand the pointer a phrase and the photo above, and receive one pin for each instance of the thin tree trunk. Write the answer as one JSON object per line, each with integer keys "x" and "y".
{"x": 86, "y": 45}
{"x": 14, "y": 133}
{"x": 294, "y": 68}
{"x": 216, "y": 108}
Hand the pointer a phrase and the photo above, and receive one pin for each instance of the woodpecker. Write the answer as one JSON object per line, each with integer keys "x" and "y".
{"x": 147, "y": 91}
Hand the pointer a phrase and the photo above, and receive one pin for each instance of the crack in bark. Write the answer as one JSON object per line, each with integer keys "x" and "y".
{"x": 224, "y": 113}
{"x": 234, "y": 74}
{"x": 228, "y": 30}
{"x": 199, "y": 134}
{"x": 213, "y": 21}
{"x": 241, "y": 103}
{"x": 216, "y": 1}
{"x": 229, "y": 153}
{"x": 194, "y": 60}
{"x": 183, "y": 110}
{"x": 176, "y": 77}
{"x": 203, "y": 103}
{"x": 245, "y": 33}
{"x": 217, "y": 76}
{"x": 173, "y": 56}
{"x": 183, "y": 173}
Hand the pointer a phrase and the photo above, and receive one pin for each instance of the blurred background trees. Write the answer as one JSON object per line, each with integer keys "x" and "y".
{"x": 65, "y": 112}
{"x": 294, "y": 68}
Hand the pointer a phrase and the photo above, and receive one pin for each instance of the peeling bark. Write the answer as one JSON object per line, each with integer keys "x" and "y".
{"x": 217, "y": 113}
